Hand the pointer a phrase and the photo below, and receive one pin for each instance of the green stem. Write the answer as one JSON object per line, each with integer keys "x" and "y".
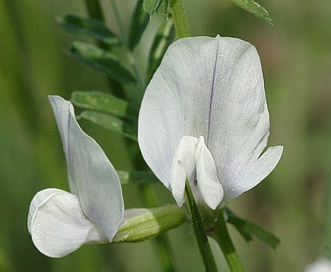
{"x": 119, "y": 22}
{"x": 199, "y": 230}
{"x": 134, "y": 66}
{"x": 223, "y": 238}
{"x": 180, "y": 20}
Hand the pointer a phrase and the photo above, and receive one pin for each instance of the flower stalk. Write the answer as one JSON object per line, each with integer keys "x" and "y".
{"x": 199, "y": 230}
{"x": 180, "y": 20}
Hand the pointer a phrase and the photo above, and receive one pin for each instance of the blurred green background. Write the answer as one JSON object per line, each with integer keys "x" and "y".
{"x": 292, "y": 202}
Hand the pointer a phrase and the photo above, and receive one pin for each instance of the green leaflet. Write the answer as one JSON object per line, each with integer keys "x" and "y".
{"x": 104, "y": 102}
{"x": 161, "y": 7}
{"x": 102, "y": 60}
{"x": 248, "y": 228}
{"x": 139, "y": 23}
{"x": 94, "y": 9}
{"x": 137, "y": 177}
{"x": 254, "y": 8}
{"x": 89, "y": 27}
{"x": 110, "y": 122}
{"x": 162, "y": 40}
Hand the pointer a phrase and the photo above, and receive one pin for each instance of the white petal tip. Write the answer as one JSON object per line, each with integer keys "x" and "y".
{"x": 215, "y": 200}
{"x": 179, "y": 198}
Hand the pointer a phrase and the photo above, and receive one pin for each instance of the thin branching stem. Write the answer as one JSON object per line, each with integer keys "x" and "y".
{"x": 199, "y": 230}
{"x": 120, "y": 23}
{"x": 180, "y": 21}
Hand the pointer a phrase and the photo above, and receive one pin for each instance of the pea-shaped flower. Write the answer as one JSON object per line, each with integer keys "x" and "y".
{"x": 204, "y": 119}
{"x": 60, "y": 222}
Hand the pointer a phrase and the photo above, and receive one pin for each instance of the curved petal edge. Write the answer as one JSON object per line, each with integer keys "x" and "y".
{"x": 249, "y": 175}
{"x": 58, "y": 225}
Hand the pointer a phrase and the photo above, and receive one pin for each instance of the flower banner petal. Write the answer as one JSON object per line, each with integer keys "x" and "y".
{"x": 92, "y": 177}
{"x": 248, "y": 175}
{"x": 210, "y": 87}
{"x": 58, "y": 225}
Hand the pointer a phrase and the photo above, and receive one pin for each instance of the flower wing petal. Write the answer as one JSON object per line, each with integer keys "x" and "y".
{"x": 183, "y": 166}
{"x": 57, "y": 223}
{"x": 92, "y": 177}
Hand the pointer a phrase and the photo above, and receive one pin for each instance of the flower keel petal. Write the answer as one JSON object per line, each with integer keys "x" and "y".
{"x": 207, "y": 179}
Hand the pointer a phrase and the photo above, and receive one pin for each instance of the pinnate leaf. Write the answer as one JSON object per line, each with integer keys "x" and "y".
{"x": 89, "y": 27}
{"x": 138, "y": 25}
{"x": 248, "y": 229}
{"x": 254, "y": 8}
{"x": 162, "y": 40}
{"x": 103, "y": 102}
{"x": 161, "y": 7}
{"x": 110, "y": 122}
{"x": 101, "y": 60}
{"x": 137, "y": 177}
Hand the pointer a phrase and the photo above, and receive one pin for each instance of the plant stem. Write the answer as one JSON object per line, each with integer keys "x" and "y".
{"x": 223, "y": 238}
{"x": 179, "y": 18}
{"x": 119, "y": 22}
{"x": 134, "y": 66}
{"x": 199, "y": 230}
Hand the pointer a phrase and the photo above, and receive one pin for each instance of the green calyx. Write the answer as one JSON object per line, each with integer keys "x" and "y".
{"x": 142, "y": 224}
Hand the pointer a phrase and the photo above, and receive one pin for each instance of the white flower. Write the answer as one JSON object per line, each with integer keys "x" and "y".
{"x": 321, "y": 265}
{"x": 60, "y": 222}
{"x": 204, "y": 119}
